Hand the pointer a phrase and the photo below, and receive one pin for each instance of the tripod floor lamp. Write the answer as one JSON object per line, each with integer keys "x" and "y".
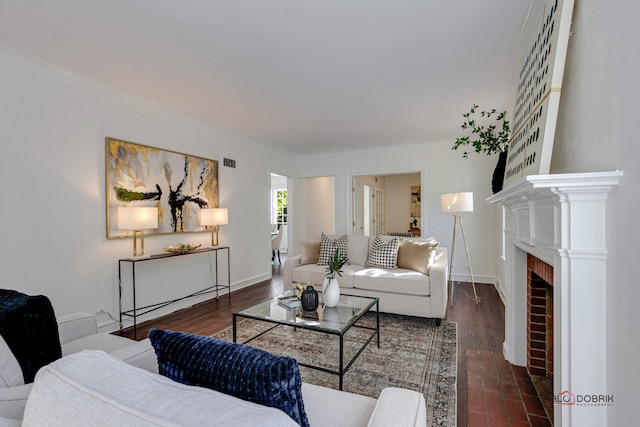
{"x": 457, "y": 203}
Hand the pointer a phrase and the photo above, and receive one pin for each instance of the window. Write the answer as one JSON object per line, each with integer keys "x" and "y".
{"x": 279, "y": 207}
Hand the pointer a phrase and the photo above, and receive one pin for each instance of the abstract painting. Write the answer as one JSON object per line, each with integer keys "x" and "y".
{"x": 178, "y": 184}
{"x": 416, "y": 205}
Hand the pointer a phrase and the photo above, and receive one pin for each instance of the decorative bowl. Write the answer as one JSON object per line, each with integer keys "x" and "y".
{"x": 182, "y": 248}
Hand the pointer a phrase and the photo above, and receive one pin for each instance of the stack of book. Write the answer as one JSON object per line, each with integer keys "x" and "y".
{"x": 291, "y": 302}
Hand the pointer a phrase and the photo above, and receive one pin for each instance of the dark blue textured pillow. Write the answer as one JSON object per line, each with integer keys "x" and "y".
{"x": 29, "y": 327}
{"x": 239, "y": 370}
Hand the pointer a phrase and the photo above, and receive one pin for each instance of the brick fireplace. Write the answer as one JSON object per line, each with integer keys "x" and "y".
{"x": 557, "y": 224}
{"x": 539, "y": 317}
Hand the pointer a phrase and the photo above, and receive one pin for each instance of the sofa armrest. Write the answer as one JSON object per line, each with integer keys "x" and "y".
{"x": 140, "y": 354}
{"x": 76, "y": 325}
{"x": 438, "y": 280}
{"x": 13, "y": 401}
{"x": 399, "y": 407}
{"x": 289, "y": 265}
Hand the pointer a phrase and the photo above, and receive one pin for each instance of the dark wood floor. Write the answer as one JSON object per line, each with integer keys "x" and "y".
{"x": 480, "y": 327}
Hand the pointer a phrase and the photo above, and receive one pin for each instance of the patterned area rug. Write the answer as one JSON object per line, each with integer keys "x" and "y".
{"x": 414, "y": 353}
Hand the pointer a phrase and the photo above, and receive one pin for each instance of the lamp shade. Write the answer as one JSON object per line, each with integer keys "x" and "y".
{"x": 137, "y": 217}
{"x": 214, "y": 216}
{"x": 456, "y": 202}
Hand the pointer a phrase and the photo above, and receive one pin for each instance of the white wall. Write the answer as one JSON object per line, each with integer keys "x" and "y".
{"x": 313, "y": 204}
{"x": 597, "y": 131}
{"x": 442, "y": 171}
{"x": 52, "y": 214}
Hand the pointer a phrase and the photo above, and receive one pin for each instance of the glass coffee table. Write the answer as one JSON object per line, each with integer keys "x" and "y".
{"x": 329, "y": 320}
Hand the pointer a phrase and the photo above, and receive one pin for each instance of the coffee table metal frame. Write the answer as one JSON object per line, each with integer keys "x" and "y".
{"x": 291, "y": 321}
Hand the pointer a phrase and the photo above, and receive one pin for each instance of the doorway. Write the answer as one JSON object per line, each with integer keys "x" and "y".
{"x": 279, "y": 212}
{"x": 383, "y": 204}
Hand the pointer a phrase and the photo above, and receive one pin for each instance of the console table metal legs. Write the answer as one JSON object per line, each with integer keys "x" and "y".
{"x": 139, "y": 311}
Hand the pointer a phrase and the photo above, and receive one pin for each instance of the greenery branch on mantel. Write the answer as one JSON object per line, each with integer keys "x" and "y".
{"x": 486, "y": 139}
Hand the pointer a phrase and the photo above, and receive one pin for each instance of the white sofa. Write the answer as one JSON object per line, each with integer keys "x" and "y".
{"x": 92, "y": 388}
{"x": 401, "y": 290}
{"x": 77, "y": 332}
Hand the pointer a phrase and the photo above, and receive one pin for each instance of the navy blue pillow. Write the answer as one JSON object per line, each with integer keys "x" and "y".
{"x": 29, "y": 327}
{"x": 239, "y": 370}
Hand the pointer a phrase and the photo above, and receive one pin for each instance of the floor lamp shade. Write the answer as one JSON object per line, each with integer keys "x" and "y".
{"x": 214, "y": 217}
{"x": 456, "y": 202}
{"x": 137, "y": 219}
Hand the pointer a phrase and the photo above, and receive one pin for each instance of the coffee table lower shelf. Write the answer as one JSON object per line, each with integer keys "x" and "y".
{"x": 343, "y": 366}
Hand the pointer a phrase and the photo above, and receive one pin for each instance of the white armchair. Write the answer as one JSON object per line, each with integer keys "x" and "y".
{"x": 276, "y": 240}
{"x": 78, "y": 331}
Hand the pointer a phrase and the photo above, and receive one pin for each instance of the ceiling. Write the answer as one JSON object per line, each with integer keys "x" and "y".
{"x": 303, "y": 76}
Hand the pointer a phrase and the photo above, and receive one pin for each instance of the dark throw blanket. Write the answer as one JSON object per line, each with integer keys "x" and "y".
{"x": 29, "y": 327}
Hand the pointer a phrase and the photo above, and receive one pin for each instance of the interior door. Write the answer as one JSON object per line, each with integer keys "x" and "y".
{"x": 357, "y": 205}
{"x": 369, "y": 210}
{"x": 380, "y": 224}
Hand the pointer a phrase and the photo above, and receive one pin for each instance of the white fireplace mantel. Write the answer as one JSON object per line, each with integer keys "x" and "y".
{"x": 561, "y": 219}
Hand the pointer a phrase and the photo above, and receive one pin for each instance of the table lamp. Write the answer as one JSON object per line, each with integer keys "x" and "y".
{"x": 137, "y": 219}
{"x": 214, "y": 217}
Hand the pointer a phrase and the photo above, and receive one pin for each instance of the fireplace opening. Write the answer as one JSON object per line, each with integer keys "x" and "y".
{"x": 539, "y": 317}
{"x": 540, "y": 326}
{"x": 540, "y": 329}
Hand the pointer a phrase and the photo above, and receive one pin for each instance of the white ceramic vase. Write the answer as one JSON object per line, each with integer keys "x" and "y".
{"x": 330, "y": 292}
{"x": 330, "y": 315}
{"x": 325, "y": 282}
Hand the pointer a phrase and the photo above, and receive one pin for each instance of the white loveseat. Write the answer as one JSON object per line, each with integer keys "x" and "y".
{"x": 400, "y": 290}
{"x": 92, "y": 388}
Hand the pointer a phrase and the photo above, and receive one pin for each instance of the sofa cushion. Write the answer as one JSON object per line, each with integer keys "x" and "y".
{"x": 239, "y": 370}
{"x": 309, "y": 252}
{"x": 329, "y": 246}
{"x": 91, "y": 388}
{"x": 417, "y": 255}
{"x": 383, "y": 254}
{"x": 315, "y": 274}
{"x": 399, "y": 281}
{"x": 357, "y": 249}
{"x": 29, "y": 328}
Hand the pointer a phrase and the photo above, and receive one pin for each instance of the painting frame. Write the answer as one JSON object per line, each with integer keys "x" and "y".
{"x": 178, "y": 184}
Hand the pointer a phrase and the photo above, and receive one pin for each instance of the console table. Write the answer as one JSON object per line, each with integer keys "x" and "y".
{"x": 139, "y": 311}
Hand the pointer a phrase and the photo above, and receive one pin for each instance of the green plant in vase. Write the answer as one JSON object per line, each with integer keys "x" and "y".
{"x": 487, "y": 138}
{"x": 335, "y": 265}
{"x": 330, "y": 287}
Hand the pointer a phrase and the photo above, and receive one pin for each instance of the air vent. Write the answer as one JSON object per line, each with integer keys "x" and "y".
{"x": 230, "y": 163}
